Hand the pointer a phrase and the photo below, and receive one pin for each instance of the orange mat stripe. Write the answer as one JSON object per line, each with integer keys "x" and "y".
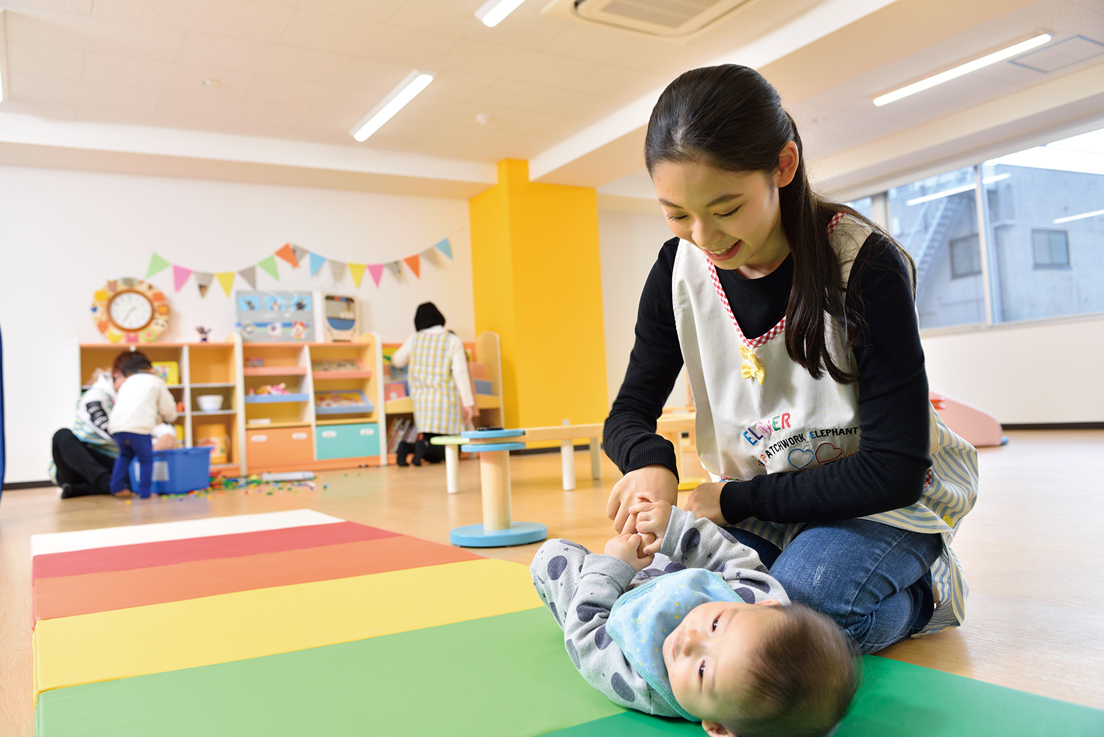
{"x": 66, "y": 596}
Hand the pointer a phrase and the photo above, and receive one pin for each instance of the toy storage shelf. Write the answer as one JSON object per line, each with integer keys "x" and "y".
{"x": 281, "y": 431}
{"x": 486, "y": 351}
{"x": 203, "y": 368}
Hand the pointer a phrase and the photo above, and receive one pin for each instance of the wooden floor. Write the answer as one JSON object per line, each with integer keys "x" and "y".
{"x": 1033, "y": 551}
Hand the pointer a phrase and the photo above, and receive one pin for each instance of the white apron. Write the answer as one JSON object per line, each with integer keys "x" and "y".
{"x": 432, "y": 389}
{"x": 766, "y": 414}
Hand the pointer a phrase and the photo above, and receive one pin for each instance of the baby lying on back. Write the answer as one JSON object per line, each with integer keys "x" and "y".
{"x": 693, "y": 625}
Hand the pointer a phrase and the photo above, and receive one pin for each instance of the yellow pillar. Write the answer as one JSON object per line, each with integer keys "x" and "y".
{"x": 536, "y": 277}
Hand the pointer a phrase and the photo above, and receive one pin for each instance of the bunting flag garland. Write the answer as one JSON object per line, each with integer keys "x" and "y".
{"x": 249, "y": 276}
{"x": 415, "y": 265}
{"x": 180, "y": 275}
{"x": 297, "y": 256}
{"x": 444, "y": 247}
{"x": 203, "y": 280}
{"x": 338, "y": 269}
{"x": 269, "y": 265}
{"x": 287, "y": 254}
{"x": 357, "y": 272}
{"x": 156, "y": 264}
{"x": 225, "y": 280}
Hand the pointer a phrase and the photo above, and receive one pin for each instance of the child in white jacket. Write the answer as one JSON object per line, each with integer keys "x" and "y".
{"x": 143, "y": 401}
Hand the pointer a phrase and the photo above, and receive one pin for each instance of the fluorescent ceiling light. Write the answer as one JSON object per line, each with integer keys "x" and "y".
{"x": 1082, "y": 216}
{"x": 396, "y": 99}
{"x": 493, "y": 11}
{"x": 961, "y": 69}
{"x": 955, "y": 190}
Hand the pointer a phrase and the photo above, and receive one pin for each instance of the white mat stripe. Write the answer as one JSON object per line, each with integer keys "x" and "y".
{"x": 65, "y": 542}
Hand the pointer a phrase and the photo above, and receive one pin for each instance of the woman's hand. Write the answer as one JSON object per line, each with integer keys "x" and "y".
{"x": 705, "y": 502}
{"x": 629, "y": 548}
{"x": 651, "y": 521}
{"x": 653, "y": 483}
{"x": 468, "y": 413}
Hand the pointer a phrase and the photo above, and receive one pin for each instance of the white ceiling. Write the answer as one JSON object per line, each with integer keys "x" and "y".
{"x": 571, "y": 97}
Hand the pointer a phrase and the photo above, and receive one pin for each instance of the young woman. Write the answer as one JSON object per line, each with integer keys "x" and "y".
{"x": 795, "y": 319}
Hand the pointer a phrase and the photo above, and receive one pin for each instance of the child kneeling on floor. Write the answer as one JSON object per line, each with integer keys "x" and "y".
{"x": 691, "y": 624}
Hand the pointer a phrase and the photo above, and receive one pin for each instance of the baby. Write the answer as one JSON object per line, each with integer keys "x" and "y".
{"x": 141, "y": 403}
{"x": 691, "y": 624}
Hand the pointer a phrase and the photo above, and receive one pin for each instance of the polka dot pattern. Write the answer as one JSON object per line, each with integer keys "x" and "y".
{"x": 573, "y": 654}
{"x": 674, "y": 566}
{"x": 690, "y": 540}
{"x": 745, "y": 593}
{"x": 587, "y": 612}
{"x": 556, "y": 567}
{"x": 602, "y": 638}
{"x": 621, "y": 688}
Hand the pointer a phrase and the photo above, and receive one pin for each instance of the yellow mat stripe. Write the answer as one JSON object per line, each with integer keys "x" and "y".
{"x": 249, "y": 624}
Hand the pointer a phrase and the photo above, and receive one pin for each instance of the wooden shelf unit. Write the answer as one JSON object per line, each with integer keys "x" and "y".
{"x": 298, "y": 437}
{"x": 204, "y": 368}
{"x": 486, "y": 350}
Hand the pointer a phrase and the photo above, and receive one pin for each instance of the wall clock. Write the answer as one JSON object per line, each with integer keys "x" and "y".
{"x": 130, "y": 310}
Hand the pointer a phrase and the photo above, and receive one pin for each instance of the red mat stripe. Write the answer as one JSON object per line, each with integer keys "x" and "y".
{"x": 67, "y": 596}
{"x": 171, "y": 552}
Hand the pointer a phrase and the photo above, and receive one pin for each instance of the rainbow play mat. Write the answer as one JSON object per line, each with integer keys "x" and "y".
{"x": 298, "y": 623}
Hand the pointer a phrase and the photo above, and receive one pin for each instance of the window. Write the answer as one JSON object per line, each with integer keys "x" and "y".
{"x": 863, "y": 206}
{"x": 935, "y": 219}
{"x": 1047, "y": 261}
{"x": 1051, "y": 248}
{"x": 965, "y": 256}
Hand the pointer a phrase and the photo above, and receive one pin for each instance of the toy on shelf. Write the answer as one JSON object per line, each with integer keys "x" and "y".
{"x": 253, "y": 361}
{"x": 203, "y": 333}
{"x": 169, "y": 371}
{"x": 332, "y": 403}
{"x": 269, "y": 389}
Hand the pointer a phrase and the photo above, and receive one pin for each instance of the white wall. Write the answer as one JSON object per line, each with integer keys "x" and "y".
{"x": 1032, "y": 373}
{"x": 629, "y": 243}
{"x": 63, "y": 234}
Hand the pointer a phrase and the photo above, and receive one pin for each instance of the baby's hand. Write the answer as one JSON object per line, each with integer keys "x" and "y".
{"x": 629, "y": 548}
{"x": 652, "y": 518}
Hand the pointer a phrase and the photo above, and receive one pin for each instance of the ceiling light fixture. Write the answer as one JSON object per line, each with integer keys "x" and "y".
{"x": 493, "y": 11}
{"x": 1082, "y": 216}
{"x": 961, "y": 69}
{"x": 396, "y": 99}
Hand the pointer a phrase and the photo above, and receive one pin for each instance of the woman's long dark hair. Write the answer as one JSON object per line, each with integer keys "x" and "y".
{"x": 731, "y": 118}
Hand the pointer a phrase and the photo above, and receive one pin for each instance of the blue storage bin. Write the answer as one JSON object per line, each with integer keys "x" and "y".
{"x": 176, "y": 471}
{"x": 483, "y": 387}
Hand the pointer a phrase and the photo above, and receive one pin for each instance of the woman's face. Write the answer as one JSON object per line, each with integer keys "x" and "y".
{"x": 733, "y": 217}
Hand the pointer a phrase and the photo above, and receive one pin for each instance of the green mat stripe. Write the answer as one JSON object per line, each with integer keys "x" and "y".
{"x": 505, "y": 676}
{"x": 903, "y": 700}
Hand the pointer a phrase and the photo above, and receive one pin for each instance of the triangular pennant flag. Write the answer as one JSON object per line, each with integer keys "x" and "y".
{"x": 430, "y": 255}
{"x": 357, "y": 272}
{"x": 226, "y": 280}
{"x": 250, "y": 276}
{"x": 156, "y": 265}
{"x": 288, "y": 255}
{"x": 180, "y": 275}
{"x": 396, "y": 269}
{"x": 338, "y": 269}
{"x": 444, "y": 247}
{"x": 299, "y": 253}
{"x": 203, "y": 280}
{"x": 376, "y": 270}
{"x": 316, "y": 262}
{"x": 269, "y": 265}
{"x": 414, "y": 263}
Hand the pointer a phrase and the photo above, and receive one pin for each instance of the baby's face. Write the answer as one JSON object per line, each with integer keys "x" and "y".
{"x": 707, "y": 656}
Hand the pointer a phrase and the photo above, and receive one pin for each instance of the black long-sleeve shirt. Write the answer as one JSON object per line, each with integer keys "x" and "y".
{"x": 894, "y": 444}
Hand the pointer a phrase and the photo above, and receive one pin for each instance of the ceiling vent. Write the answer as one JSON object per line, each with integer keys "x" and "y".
{"x": 654, "y": 17}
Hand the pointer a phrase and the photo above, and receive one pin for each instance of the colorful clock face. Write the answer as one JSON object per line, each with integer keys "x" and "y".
{"x": 130, "y": 310}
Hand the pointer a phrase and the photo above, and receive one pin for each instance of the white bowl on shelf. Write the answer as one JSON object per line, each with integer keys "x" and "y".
{"x": 209, "y": 402}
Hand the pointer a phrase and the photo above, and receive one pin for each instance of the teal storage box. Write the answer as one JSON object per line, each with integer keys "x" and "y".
{"x": 176, "y": 471}
{"x": 347, "y": 441}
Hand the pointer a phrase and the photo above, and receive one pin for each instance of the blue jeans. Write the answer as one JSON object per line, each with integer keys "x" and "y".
{"x": 132, "y": 445}
{"x": 872, "y": 579}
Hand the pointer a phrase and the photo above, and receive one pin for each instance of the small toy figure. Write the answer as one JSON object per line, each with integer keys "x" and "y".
{"x": 203, "y": 333}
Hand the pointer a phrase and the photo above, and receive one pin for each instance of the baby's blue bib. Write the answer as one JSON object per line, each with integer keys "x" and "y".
{"x": 642, "y": 618}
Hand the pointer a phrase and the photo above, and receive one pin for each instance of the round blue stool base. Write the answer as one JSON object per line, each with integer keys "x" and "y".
{"x": 520, "y": 533}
